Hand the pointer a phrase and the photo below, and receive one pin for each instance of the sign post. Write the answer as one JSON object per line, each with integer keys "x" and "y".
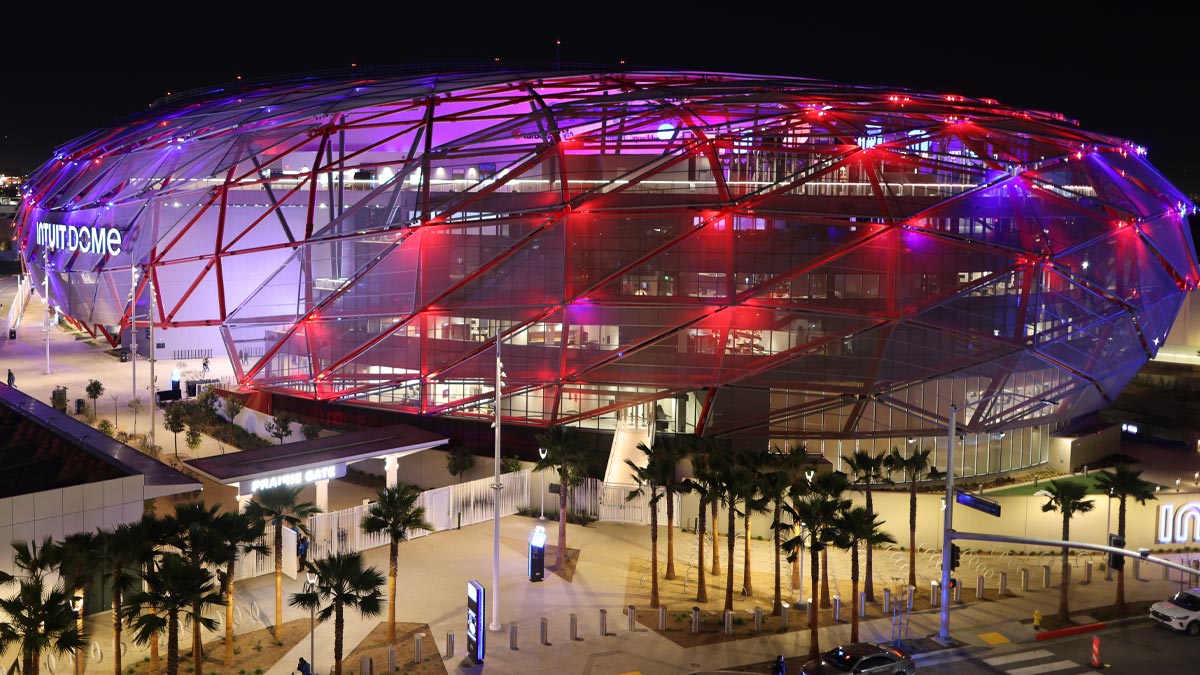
{"x": 978, "y": 503}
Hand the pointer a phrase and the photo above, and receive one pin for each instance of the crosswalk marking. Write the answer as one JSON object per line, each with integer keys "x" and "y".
{"x": 1044, "y": 668}
{"x": 1019, "y": 656}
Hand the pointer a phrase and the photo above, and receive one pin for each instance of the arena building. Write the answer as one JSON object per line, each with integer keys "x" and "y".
{"x": 731, "y": 255}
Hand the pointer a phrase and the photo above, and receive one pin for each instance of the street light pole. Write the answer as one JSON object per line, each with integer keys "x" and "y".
{"x": 496, "y": 487}
{"x": 312, "y": 625}
{"x": 542, "y": 453}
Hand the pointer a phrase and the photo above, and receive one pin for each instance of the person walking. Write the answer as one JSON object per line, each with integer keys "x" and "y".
{"x": 205, "y": 364}
{"x": 779, "y": 667}
{"x": 303, "y": 667}
{"x": 12, "y": 379}
{"x": 302, "y": 550}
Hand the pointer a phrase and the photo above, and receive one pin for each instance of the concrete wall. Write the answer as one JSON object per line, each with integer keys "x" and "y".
{"x": 427, "y": 469}
{"x": 1071, "y": 453}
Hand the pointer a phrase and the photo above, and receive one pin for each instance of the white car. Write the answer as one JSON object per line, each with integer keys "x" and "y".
{"x": 1180, "y": 612}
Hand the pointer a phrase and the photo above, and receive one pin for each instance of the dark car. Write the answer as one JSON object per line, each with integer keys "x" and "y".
{"x": 862, "y": 657}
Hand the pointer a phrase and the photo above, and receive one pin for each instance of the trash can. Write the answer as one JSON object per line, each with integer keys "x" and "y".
{"x": 124, "y": 356}
{"x": 79, "y": 406}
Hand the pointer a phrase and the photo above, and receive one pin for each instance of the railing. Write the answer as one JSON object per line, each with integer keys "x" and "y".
{"x": 258, "y": 564}
{"x": 615, "y": 505}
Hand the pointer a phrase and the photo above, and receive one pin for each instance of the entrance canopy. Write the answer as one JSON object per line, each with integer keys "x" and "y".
{"x": 314, "y": 461}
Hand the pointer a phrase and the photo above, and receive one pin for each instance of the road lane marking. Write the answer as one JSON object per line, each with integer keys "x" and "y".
{"x": 1019, "y": 656}
{"x": 1044, "y": 668}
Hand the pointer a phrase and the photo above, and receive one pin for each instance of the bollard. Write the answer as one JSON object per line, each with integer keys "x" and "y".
{"x": 1045, "y": 576}
{"x": 512, "y": 636}
{"x": 632, "y": 617}
{"x": 574, "y": 628}
{"x": 366, "y": 666}
{"x": 450, "y": 644}
{"x": 729, "y": 622}
{"x": 758, "y": 619}
{"x": 1003, "y": 588}
{"x": 1024, "y": 579}
{"x": 934, "y": 595}
{"x": 979, "y": 587}
{"x": 912, "y": 593}
{"x": 837, "y": 608}
{"x": 603, "y": 623}
{"x": 887, "y": 601}
{"x": 418, "y": 652}
{"x": 783, "y": 618}
{"x": 1096, "y": 663}
{"x": 695, "y": 619}
{"x": 392, "y": 659}
{"x": 545, "y": 631}
{"x": 1087, "y": 572}
{"x": 862, "y": 604}
{"x": 662, "y": 617}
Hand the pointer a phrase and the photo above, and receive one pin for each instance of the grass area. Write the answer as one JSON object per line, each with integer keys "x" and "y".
{"x": 1032, "y": 488}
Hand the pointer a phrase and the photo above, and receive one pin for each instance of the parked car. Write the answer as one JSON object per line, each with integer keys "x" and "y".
{"x": 862, "y": 657}
{"x": 1180, "y": 612}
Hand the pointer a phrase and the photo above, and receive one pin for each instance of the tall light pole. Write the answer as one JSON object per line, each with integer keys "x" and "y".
{"x": 542, "y": 453}
{"x": 312, "y": 624}
{"x": 496, "y": 487}
{"x": 133, "y": 273}
{"x": 153, "y": 379}
{"x": 1108, "y": 532}
{"x": 948, "y": 520}
{"x": 46, "y": 300}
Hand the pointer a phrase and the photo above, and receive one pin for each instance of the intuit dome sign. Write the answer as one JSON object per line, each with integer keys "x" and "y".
{"x": 98, "y": 240}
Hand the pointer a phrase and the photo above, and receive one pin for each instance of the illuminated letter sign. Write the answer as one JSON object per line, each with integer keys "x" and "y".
{"x": 293, "y": 478}
{"x": 98, "y": 240}
{"x": 476, "y": 607}
{"x": 1179, "y": 526}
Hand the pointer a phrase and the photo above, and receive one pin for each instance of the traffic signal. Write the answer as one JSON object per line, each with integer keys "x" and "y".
{"x": 955, "y": 553}
{"x": 1116, "y": 562}
{"x": 953, "y": 583}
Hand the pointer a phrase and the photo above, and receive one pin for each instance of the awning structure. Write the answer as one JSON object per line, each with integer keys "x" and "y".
{"x": 316, "y": 461}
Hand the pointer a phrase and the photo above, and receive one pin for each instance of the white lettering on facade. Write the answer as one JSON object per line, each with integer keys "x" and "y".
{"x": 98, "y": 240}
{"x": 1179, "y": 526}
{"x": 294, "y": 478}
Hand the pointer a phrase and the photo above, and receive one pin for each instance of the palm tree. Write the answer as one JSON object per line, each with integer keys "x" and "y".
{"x": 1068, "y": 498}
{"x": 830, "y": 486}
{"x": 915, "y": 468}
{"x": 342, "y": 582}
{"x": 710, "y": 446}
{"x": 76, "y": 559}
{"x": 651, "y": 477}
{"x": 121, "y": 553}
{"x": 854, "y": 527}
{"x": 757, "y": 462}
{"x": 396, "y": 513}
{"x": 173, "y": 587}
{"x": 814, "y": 513}
{"x": 567, "y": 454}
{"x": 867, "y": 469}
{"x": 735, "y": 479}
{"x": 773, "y": 490}
{"x": 190, "y": 531}
{"x": 39, "y": 619}
{"x": 1124, "y": 482}
{"x": 279, "y": 507}
{"x": 674, "y": 449}
{"x": 704, "y": 483}
{"x": 232, "y": 535}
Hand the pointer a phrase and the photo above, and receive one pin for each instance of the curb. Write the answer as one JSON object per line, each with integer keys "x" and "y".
{"x": 1073, "y": 630}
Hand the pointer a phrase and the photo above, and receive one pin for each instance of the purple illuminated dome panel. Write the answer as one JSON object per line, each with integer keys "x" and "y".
{"x": 776, "y": 255}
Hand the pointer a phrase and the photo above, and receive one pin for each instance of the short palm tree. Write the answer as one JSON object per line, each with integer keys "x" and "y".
{"x": 76, "y": 560}
{"x": 830, "y": 486}
{"x": 233, "y": 535}
{"x": 1124, "y": 482}
{"x": 866, "y": 470}
{"x": 39, "y": 619}
{"x": 914, "y": 468}
{"x": 396, "y": 512}
{"x": 280, "y": 508}
{"x": 122, "y": 552}
{"x": 814, "y": 513}
{"x": 566, "y": 453}
{"x": 854, "y": 528}
{"x": 342, "y": 582}
{"x": 1068, "y": 498}
{"x": 174, "y": 587}
{"x": 191, "y": 532}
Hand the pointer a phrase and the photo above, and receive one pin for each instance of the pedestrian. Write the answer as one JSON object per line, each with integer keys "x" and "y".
{"x": 304, "y": 667}
{"x": 302, "y": 550}
{"x": 12, "y": 379}
{"x": 205, "y": 364}
{"x": 780, "y": 666}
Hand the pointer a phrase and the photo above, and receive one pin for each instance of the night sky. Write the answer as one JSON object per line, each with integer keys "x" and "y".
{"x": 1131, "y": 76}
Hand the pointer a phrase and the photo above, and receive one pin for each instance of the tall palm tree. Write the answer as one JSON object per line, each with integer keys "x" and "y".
{"x": 38, "y": 618}
{"x": 1068, "y": 498}
{"x": 173, "y": 587}
{"x": 866, "y": 470}
{"x": 121, "y": 552}
{"x": 830, "y": 486}
{"x": 191, "y": 532}
{"x": 736, "y": 479}
{"x": 566, "y": 453}
{"x": 757, "y": 463}
{"x": 342, "y": 582}
{"x": 396, "y": 512}
{"x": 916, "y": 468}
{"x": 852, "y": 528}
{"x": 650, "y": 479}
{"x": 674, "y": 450}
{"x": 76, "y": 560}
{"x": 814, "y": 513}
{"x": 279, "y": 507}
{"x": 774, "y": 483}
{"x": 704, "y": 484}
{"x": 233, "y": 535}
{"x": 710, "y": 447}
{"x": 1124, "y": 482}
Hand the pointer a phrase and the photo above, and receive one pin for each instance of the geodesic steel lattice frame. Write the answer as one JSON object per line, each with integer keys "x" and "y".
{"x": 797, "y": 257}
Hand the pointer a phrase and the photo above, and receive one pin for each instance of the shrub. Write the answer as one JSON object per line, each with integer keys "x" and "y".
{"x": 106, "y": 427}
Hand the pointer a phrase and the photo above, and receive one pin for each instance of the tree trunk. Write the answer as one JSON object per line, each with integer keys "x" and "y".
{"x": 654, "y": 550}
{"x": 393, "y": 572}
{"x": 154, "y": 659}
{"x": 562, "y": 521}
{"x": 116, "y": 624}
{"x": 701, "y": 587}
{"x": 869, "y": 582}
{"x": 29, "y": 662}
{"x": 339, "y": 627}
{"x": 1120, "y": 604}
{"x": 229, "y": 618}
{"x": 728, "y": 568}
{"x": 814, "y": 617}
{"x": 716, "y": 564}
{"x": 197, "y": 645}
{"x": 81, "y": 655}
{"x": 825, "y": 603}
{"x": 777, "y": 605}
{"x": 276, "y": 630}
{"x": 912, "y": 533}
{"x": 854, "y": 592}
{"x": 670, "y": 574}
{"x": 172, "y": 644}
{"x": 747, "y": 584}
{"x": 796, "y": 563}
{"x": 1064, "y": 611}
